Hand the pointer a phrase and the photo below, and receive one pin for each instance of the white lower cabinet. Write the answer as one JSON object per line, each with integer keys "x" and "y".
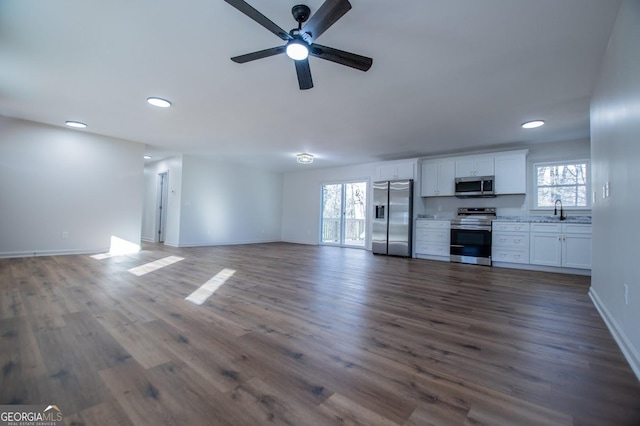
{"x": 433, "y": 238}
{"x": 564, "y": 245}
{"x": 558, "y": 245}
{"x": 510, "y": 242}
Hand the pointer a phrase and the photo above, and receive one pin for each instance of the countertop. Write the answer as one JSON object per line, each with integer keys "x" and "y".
{"x": 545, "y": 219}
{"x": 434, "y": 217}
{"x": 530, "y": 219}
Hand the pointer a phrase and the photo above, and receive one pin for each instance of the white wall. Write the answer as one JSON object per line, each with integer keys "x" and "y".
{"x": 615, "y": 156}
{"x": 228, "y": 204}
{"x": 56, "y": 180}
{"x": 173, "y": 167}
{"x": 302, "y": 197}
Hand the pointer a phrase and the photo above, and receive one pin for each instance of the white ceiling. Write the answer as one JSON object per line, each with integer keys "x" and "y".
{"x": 447, "y": 76}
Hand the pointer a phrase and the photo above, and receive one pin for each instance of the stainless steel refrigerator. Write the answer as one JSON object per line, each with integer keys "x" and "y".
{"x": 393, "y": 213}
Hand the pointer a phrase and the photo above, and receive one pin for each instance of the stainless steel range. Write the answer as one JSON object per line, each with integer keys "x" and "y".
{"x": 471, "y": 235}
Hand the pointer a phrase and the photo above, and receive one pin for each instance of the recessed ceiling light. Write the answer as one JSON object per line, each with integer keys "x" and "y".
{"x": 147, "y": 157}
{"x": 75, "y": 124}
{"x": 159, "y": 102}
{"x": 532, "y": 124}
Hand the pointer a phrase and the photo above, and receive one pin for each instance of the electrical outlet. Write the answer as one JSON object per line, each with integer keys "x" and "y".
{"x": 626, "y": 294}
{"x": 65, "y": 235}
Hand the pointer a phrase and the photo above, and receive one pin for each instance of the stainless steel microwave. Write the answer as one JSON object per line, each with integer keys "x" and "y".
{"x": 475, "y": 186}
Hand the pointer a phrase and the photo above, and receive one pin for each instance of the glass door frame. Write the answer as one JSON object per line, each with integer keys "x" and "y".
{"x": 343, "y": 240}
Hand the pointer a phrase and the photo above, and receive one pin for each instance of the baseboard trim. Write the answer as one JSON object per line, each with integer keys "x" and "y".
{"x": 303, "y": 242}
{"x": 541, "y": 268}
{"x": 628, "y": 350}
{"x": 432, "y": 257}
{"x": 38, "y": 253}
{"x": 227, "y": 243}
{"x": 148, "y": 240}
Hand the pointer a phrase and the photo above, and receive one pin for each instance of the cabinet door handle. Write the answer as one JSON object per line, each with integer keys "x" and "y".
{"x": 516, "y": 241}
{"x": 502, "y": 240}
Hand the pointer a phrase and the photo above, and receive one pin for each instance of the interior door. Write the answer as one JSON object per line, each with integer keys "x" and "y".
{"x": 344, "y": 210}
{"x": 163, "y": 196}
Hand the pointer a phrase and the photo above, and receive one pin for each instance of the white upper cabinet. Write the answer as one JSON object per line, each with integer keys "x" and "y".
{"x": 437, "y": 178}
{"x": 474, "y": 165}
{"x": 509, "y": 169}
{"x": 396, "y": 170}
{"x": 511, "y": 172}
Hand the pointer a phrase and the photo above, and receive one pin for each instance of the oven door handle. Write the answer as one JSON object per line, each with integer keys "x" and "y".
{"x": 471, "y": 228}
{"x": 457, "y": 245}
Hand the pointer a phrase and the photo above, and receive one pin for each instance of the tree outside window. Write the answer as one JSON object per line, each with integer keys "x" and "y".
{"x": 566, "y": 181}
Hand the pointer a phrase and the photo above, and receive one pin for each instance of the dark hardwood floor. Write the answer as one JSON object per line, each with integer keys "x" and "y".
{"x": 306, "y": 335}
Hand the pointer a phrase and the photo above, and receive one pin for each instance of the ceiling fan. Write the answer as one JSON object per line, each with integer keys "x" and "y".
{"x": 300, "y": 41}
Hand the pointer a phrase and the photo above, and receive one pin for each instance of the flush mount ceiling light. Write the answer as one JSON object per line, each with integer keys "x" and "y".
{"x": 297, "y": 49}
{"x": 304, "y": 158}
{"x": 75, "y": 124}
{"x": 159, "y": 102}
{"x": 147, "y": 157}
{"x": 532, "y": 124}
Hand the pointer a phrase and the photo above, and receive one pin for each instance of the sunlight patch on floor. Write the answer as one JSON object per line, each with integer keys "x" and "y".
{"x": 152, "y": 266}
{"x": 119, "y": 247}
{"x": 101, "y": 256}
{"x": 207, "y": 289}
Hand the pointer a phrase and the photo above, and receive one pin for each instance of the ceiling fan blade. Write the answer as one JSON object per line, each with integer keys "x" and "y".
{"x": 252, "y": 13}
{"x": 349, "y": 59}
{"x": 327, "y": 15}
{"x": 304, "y": 74}
{"x": 259, "y": 54}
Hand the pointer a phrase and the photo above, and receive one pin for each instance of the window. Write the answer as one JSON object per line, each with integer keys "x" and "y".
{"x": 565, "y": 181}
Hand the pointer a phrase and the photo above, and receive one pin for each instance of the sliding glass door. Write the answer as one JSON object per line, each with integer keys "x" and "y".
{"x": 344, "y": 209}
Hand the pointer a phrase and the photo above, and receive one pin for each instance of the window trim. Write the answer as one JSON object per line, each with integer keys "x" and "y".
{"x": 534, "y": 184}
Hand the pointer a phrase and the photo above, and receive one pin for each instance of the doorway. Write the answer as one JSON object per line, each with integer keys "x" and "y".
{"x": 163, "y": 197}
{"x": 344, "y": 214}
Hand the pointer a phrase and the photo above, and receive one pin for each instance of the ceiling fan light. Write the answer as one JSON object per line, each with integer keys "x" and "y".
{"x": 297, "y": 50}
{"x": 304, "y": 158}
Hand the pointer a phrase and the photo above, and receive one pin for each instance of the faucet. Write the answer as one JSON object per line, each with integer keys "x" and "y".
{"x": 555, "y": 209}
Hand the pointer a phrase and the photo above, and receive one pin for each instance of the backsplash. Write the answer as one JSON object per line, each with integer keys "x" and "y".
{"x": 506, "y": 205}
